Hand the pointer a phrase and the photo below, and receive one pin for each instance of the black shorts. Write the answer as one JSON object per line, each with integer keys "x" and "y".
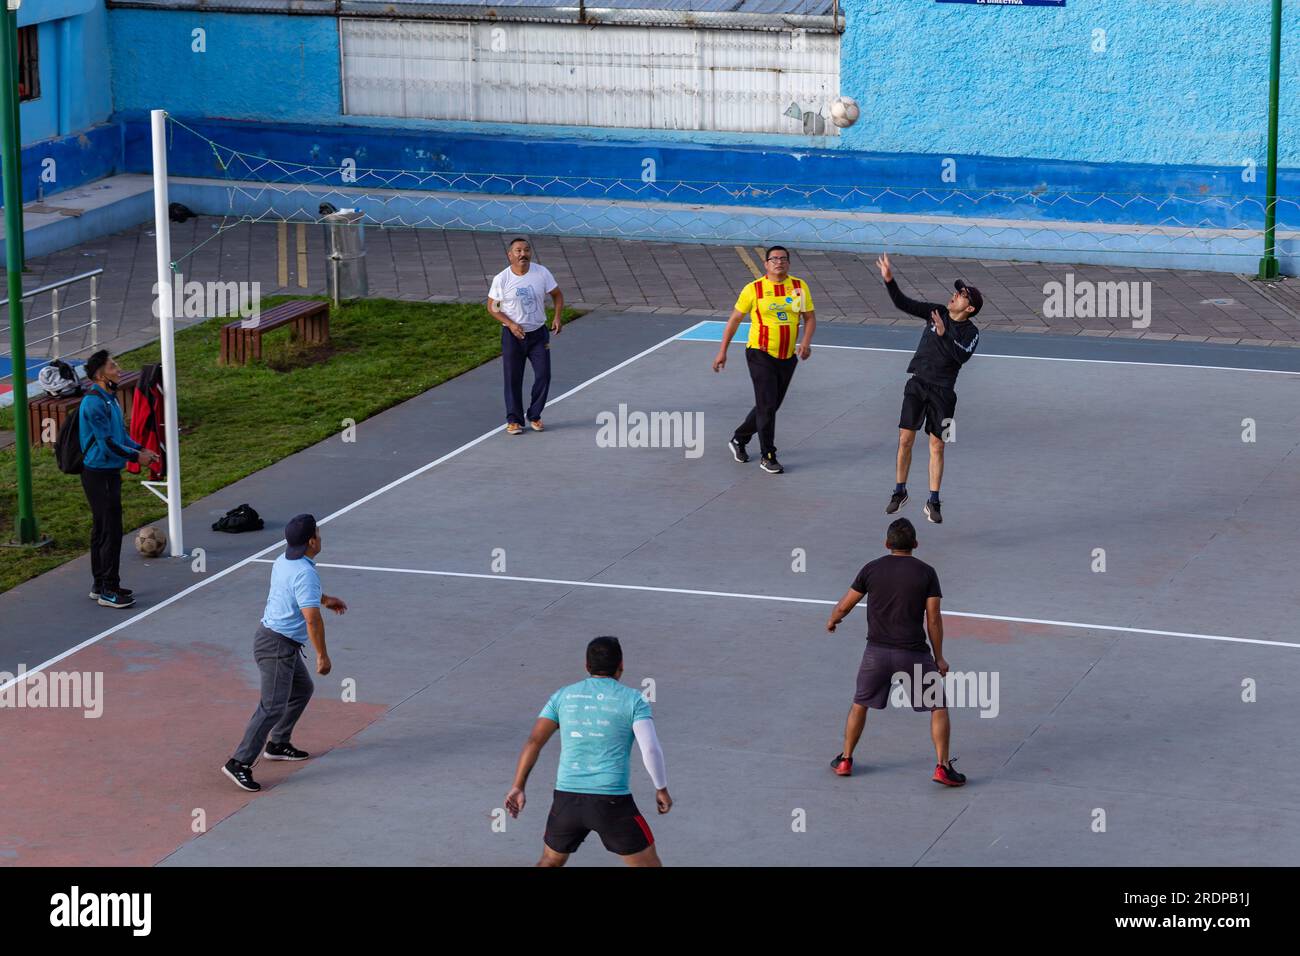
{"x": 876, "y": 675}
{"x": 928, "y": 405}
{"x": 614, "y": 818}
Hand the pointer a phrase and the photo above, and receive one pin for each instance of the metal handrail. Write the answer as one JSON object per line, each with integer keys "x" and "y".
{"x": 63, "y": 307}
{"x": 56, "y": 285}
{"x": 57, "y": 309}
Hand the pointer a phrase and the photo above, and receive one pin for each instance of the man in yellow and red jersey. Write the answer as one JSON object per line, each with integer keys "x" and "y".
{"x": 774, "y": 306}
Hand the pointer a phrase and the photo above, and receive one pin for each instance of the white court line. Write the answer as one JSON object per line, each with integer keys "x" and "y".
{"x": 1033, "y": 358}
{"x": 796, "y": 600}
{"x": 342, "y": 511}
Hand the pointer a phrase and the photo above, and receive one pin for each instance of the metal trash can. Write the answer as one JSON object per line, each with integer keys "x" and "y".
{"x": 345, "y": 244}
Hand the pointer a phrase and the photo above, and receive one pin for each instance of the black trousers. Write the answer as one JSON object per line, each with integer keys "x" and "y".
{"x": 103, "y": 489}
{"x": 536, "y": 349}
{"x": 771, "y": 378}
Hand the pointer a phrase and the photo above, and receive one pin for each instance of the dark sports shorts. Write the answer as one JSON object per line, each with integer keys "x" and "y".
{"x": 926, "y": 404}
{"x": 614, "y": 818}
{"x": 876, "y": 674}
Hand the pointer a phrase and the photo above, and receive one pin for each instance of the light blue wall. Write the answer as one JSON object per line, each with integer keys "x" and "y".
{"x": 283, "y": 68}
{"x": 1181, "y": 81}
{"x": 72, "y": 42}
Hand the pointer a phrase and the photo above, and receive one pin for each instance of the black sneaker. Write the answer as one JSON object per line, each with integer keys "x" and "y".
{"x": 125, "y": 592}
{"x": 738, "y": 451}
{"x": 115, "y": 599}
{"x": 241, "y": 774}
{"x": 842, "y": 765}
{"x": 770, "y": 465}
{"x": 948, "y": 775}
{"x": 932, "y": 512}
{"x": 896, "y": 501}
{"x": 284, "y": 751}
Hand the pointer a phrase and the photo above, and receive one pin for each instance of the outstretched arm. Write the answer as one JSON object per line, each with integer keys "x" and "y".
{"x": 653, "y": 757}
{"x": 841, "y": 610}
{"x": 901, "y": 302}
{"x": 542, "y": 731}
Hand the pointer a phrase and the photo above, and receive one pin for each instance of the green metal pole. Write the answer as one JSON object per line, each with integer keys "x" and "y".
{"x": 1268, "y": 266}
{"x": 26, "y": 530}
{"x": 18, "y": 127}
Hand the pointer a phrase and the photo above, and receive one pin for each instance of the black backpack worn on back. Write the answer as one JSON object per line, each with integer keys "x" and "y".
{"x": 67, "y": 445}
{"x": 236, "y": 520}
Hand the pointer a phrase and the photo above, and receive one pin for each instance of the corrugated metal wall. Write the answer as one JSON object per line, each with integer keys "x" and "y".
{"x": 640, "y": 77}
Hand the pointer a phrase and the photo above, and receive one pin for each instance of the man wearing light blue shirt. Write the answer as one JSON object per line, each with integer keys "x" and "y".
{"x": 598, "y": 720}
{"x": 292, "y": 617}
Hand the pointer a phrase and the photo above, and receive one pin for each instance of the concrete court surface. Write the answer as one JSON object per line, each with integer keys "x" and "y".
{"x": 1053, "y": 460}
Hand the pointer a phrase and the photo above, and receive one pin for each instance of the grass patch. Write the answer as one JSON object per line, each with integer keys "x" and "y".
{"x": 237, "y": 420}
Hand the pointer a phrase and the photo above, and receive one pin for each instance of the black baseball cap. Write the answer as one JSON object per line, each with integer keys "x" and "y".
{"x": 972, "y": 293}
{"x": 300, "y": 530}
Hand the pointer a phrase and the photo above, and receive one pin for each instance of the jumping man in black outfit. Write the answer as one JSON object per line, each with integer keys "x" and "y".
{"x": 949, "y": 340}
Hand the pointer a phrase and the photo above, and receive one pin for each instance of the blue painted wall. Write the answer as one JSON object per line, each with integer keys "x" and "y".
{"x": 283, "y": 68}
{"x": 66, "y": 134}
{"x": 1152, "y": 131}
{"x": 72, "y": 41}
{"x": 71, "y": 160}
{"x": 1180, "y": 81}
{"x": 693, "y": 173}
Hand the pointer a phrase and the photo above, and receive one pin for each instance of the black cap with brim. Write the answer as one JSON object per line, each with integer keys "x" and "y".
{"x": 972, "y": 293}
{"x": 298, "y": 534}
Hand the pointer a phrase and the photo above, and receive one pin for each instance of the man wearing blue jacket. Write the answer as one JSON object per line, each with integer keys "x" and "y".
{"x": 106, "y": 448}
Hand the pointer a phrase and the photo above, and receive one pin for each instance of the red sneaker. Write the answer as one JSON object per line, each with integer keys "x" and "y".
{"x": 842, "y": 765}
{"x": 948, "y": 776}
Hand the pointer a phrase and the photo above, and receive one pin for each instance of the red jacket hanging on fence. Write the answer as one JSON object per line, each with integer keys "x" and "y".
{"x": 147, "y": 420}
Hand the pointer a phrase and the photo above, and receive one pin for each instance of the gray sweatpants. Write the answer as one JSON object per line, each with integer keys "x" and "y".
{"x": 286, "y": 688}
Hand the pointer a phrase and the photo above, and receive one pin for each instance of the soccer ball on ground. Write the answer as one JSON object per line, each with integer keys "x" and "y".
{"x": 150, "y": 542}
{"x": 844, "y": 111}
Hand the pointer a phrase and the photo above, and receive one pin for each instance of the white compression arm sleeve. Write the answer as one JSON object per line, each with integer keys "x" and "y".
{"x": 651, "y": 753}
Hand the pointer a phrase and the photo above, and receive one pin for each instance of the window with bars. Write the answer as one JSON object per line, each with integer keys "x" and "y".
{"x": 29, "y": 65}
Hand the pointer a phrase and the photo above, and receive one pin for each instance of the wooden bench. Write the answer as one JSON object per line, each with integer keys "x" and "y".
{"x": 241, "y": 342}
{"x": 56, "y": 408}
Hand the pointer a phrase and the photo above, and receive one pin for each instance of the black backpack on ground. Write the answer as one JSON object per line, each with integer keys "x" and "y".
{"x": 237, "y": 520}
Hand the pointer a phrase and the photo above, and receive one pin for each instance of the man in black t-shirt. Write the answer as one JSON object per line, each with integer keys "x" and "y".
{"x": 948, "y": 341}
{"x": 903, "y": 603}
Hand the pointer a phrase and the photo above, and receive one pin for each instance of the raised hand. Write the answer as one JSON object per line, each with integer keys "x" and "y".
{"x": 882, "y": 263}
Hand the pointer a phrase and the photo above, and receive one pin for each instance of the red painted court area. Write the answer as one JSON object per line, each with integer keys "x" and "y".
{"x": 122, "y": 789}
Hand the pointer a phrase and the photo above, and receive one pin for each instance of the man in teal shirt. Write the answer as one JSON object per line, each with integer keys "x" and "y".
{"x": 598, "y": 720}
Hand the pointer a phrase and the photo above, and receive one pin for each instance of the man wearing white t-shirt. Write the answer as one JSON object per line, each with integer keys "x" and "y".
{"x": 517, "y": 301}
